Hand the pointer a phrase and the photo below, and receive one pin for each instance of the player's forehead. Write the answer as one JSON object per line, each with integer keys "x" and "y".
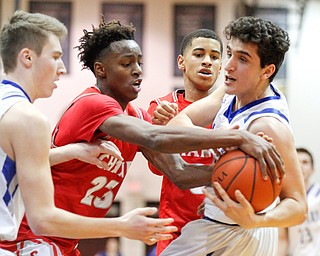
{"x": 125, "y": 47}
{"x": 52, "y": 45}
{"x": 203, "y": 43}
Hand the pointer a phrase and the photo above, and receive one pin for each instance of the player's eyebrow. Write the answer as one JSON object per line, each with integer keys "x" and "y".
{"x": 202, "y": 49}
{"x": 240, "y": 52}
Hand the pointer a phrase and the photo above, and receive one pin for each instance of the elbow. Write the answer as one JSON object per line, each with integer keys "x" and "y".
{"x": 304, "y": 214}
{"x": 40, "y": 225}
{"x": 39, "y": 228}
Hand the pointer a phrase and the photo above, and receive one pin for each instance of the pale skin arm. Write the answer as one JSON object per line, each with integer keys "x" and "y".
{"x": 86, "y": 152}
{"x": 22, "y": 144}
{"x": 283, "y": 242}
{"x": 292, "y": 209}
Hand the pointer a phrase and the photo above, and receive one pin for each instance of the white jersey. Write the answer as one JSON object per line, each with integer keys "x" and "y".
{"x": 304, "y": 239}
{"x": 11, "y": 205}
{"x": 217, "y": 234}
{"x": 275, "y": 106}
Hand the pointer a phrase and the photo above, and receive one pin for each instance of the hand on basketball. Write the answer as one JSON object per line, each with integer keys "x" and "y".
{"x": 265, "y": 152}
{"x": 240, "y": 212}
{"x": 164, "y": 112}
{"x": 149, "y": 230}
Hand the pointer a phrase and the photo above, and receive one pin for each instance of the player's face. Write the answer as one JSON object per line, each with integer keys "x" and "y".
{"x": 306, "y": 165}
{"x": 123, "y": 71}
{"x": 201, "y": 63}
{"x": 243, "y": 73}
{"x": 48, "y": 67}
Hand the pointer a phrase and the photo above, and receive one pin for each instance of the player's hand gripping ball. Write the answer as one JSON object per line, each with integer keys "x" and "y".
{"x": 235, "y": 170}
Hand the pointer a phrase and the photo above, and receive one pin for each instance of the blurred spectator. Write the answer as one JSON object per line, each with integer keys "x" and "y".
{"x": 112, "y": 248}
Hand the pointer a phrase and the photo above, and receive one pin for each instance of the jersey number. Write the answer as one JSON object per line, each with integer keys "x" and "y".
{"x": 106, "y": 200}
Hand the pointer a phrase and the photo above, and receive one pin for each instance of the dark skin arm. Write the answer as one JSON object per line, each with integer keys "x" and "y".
{"x": 182, "y": 174}
{"x": 177, "y": 139}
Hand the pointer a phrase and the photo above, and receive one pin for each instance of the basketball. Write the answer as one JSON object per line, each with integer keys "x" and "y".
{"x": 235, "y": 170}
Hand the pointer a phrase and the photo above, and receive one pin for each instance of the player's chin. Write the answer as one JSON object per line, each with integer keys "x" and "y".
{"x": 47, "y": 94}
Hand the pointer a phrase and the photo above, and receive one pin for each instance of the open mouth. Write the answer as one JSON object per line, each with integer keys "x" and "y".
{"x": 136, "y": 85}
{"x": 229, "y": 79}
{"x": 206, "y": 72}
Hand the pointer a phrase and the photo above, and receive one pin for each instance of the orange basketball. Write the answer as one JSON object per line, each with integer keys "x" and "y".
{"x": 235, "y": 170}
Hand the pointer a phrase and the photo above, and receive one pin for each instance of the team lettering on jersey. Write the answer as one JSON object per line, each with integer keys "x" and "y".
{"x": 200, "y": 153}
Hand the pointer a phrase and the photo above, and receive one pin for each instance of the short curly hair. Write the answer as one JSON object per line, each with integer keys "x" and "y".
{"x": 93, "y": 45}
{"x": 272, "y": 41}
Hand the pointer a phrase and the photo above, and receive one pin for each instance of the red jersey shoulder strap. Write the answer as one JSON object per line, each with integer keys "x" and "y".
{"x": 171, "y": 97}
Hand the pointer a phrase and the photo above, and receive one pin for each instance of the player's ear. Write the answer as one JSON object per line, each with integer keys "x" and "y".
{"x": 180, "y": 61}
{"x": 268, "y": 71}
{"x": 100, "y": 70}
{"x": 25, "y": 57}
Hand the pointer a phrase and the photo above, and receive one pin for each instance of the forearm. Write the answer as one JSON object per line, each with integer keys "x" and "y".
{"x": 182, "y": 174}
{"x": 57, "y": 222}
{"x": 288, "y": 213}
{"x": 183, "y": 139}
{"x": 61, "y": 154}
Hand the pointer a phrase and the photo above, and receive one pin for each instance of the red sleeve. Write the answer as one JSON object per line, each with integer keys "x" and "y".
{"x": 152, "y": 106}
{"x": 83, "y": 118}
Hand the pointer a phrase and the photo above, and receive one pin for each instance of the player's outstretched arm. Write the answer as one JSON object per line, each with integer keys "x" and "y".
{"x": 179, "y": 172}
{"x": 86, "y": 152}
{"x": 30, "y": 149}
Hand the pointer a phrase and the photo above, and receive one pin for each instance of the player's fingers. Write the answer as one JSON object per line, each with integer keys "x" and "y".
{"x": 150, "y": 241}
{"x": 223, "y": 194}
{"x": 165, "y": 109}
{"x": 110, "y": 148}
{"x": 159, "y": 118}
{"x": 162, "y": 224}
{"x": 263, "y": 166}
{"x": 276, "y": 164}
{"x": 241, "y": 199}
{"x": 147, "y": 211}
{"x": 169, "y": 107}
{"x": 214, "y": 198}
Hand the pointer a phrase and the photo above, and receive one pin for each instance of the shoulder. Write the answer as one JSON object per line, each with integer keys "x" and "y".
{"x": 171, "y": 97}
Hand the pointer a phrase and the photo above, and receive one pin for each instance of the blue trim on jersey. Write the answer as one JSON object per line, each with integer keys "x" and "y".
{"x": 311, "y": 188}
{"x": 229, "y": 114}
{"x": 267, "y": 110}
{"x": 17, "y": 86}
{"x": 9, "y": 172}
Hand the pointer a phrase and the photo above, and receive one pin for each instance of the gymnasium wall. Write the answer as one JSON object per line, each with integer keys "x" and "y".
{"x": 302, "y": 85}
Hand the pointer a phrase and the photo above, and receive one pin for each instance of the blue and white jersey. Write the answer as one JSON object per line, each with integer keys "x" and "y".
{"x": 304, "y": 239}
{"x": 11, "y": 205}
{"x": 272, "y": 106}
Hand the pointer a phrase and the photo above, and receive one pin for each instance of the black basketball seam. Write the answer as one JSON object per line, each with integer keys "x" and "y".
{"x": 254, "y": 179}
{"x": 216, "y": 167}
{"x": 240, "y": 170}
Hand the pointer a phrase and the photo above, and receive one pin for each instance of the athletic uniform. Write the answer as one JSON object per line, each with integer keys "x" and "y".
{"x": 11, "y": 204}
{"x": 216, "y": 234}
{"x": 80, "y": 187}
{"x": 181, "y": 205}
{"x": 304, "y": 239}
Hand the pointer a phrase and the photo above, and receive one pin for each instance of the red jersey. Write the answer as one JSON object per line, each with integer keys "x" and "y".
{"x": 80, "y": 187}
{"x": 181, "y": 205}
